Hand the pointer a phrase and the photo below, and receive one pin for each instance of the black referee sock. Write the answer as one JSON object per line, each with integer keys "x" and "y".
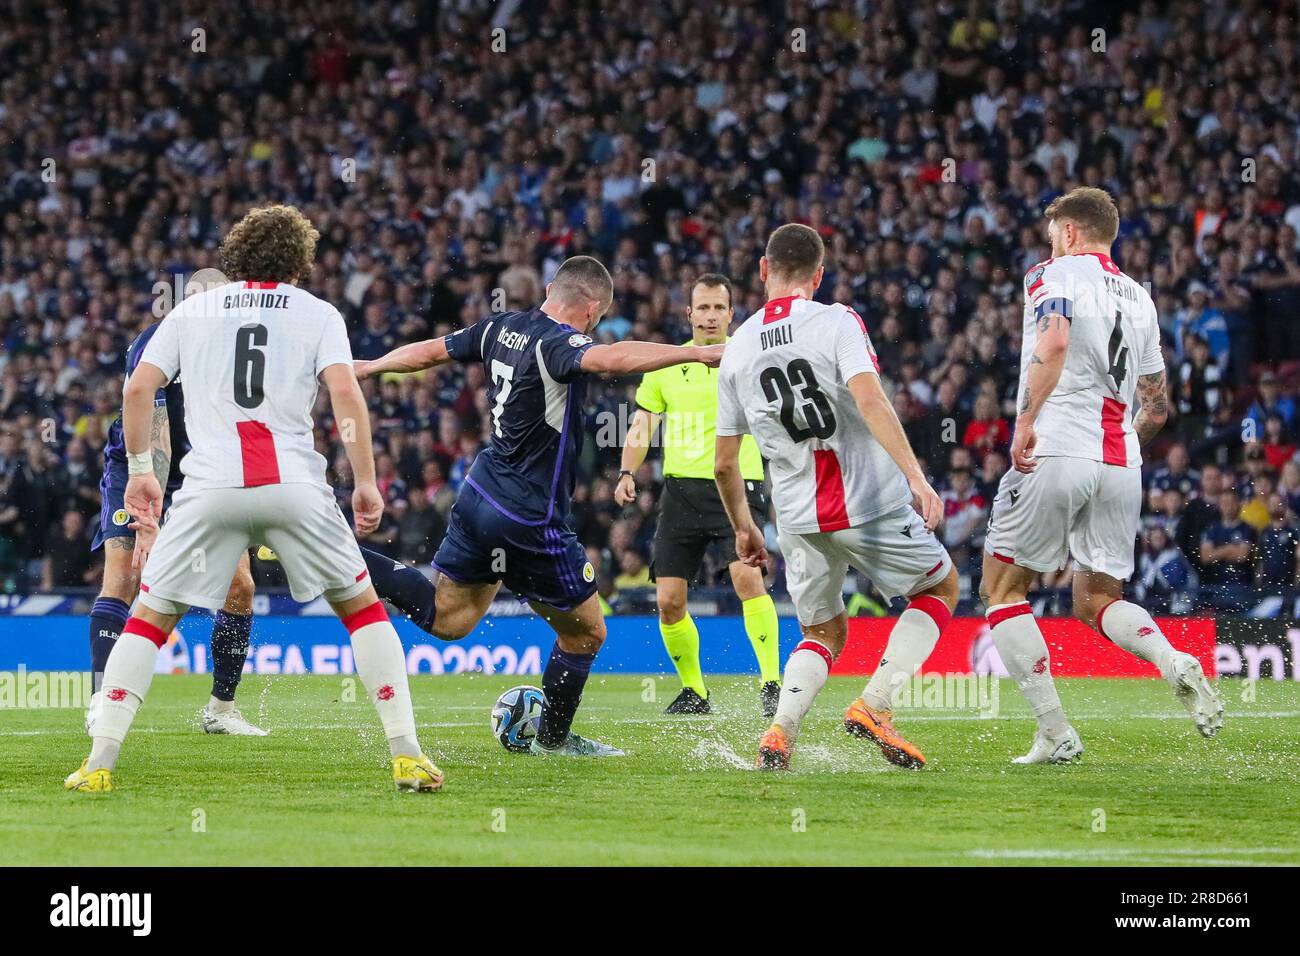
{"x": 404, "y": 588}
{"x": 562, "y": 683}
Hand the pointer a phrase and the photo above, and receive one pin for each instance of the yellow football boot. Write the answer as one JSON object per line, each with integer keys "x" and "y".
{"x": 83, "y": 781}
{"x": 416, "y": 774}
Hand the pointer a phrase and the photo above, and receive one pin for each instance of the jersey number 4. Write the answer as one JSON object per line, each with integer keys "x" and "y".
{"x": 812, "y": 402}
{"x": 250, "y": 365}
{"x": 1118, "y": 352}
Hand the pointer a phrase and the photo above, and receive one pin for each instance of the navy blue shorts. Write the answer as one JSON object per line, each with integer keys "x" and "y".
{"x": 543, "y": 563}
{"x": 113, "y": 516}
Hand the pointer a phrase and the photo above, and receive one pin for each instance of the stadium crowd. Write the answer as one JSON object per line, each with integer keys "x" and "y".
{"x": 451, "y": 168}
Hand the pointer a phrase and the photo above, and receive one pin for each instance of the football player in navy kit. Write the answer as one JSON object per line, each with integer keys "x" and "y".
{"x": 510, "y": 523}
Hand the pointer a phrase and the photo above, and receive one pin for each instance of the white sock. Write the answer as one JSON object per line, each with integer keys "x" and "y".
{"x": 381, "y": 665}
{"x": 910, "y": 642}
{"x": 1021, "y": 646}
{"x": 127, "y": 677}
{"x": 216, "y": 706}
{"x": 805, "y": 676}
{"x": 1128, "y": 626}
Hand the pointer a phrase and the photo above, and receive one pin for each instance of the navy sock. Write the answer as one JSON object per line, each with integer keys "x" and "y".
{"x": 229, "y": 651}
{"x": 107, "y": 618}
{"x": 403, "y": 587}
{"x": 562, "y": 683}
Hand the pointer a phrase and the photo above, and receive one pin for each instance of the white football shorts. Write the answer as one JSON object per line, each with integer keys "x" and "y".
{"x": 206, "y": 531}
{"x": 893, "y": 549}
{"x": 1067, "y": 506}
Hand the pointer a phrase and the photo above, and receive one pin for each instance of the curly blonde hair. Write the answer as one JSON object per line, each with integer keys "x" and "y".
{"x": 270, "y": 244}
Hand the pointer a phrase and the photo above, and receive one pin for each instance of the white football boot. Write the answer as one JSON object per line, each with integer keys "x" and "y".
{"x": 1046, "y": 750}
{"x": 1196, "y": 693}
{"x": 230, "y": 722}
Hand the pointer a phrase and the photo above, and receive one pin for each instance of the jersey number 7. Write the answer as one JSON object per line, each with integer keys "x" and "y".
{"x": 503, "y": 376}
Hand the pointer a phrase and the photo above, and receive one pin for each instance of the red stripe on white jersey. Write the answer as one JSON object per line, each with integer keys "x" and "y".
{"x": 866, "y": 335}
{"x": 1114, "y": 449}
{"x": 257, "y": 449}
{"x": 250, "y": 284}
{"x": 832, "y": 510}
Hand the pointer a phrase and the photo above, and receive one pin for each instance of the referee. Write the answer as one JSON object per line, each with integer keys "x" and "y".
{"x": 691, "y": 515}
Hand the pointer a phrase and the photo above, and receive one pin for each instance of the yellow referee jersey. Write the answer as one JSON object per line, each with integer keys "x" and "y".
{"x": 687, "y": 398}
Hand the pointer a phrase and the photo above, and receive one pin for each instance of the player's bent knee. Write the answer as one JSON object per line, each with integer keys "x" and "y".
{"x": 671, "y": 611}
{"x": 947, "y": 589}
{"x": 450, "y": 630}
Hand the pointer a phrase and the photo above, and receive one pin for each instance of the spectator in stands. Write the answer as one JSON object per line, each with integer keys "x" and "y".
{"x": 1176, "y": 472}
{"x": 1164, "y": 575}
{"x": 67, "y": 559}
{"x": 1279, "y": 448}
{"x": 1200, "y": 390}
{"x": 965, "y": 513}
{"x": 1271, "y": 401}
{"x": 1198, "y": 320}
{"x": 1226, "y": 548}
{"x": 1279, "y": 548}
{"x": 988, "y": 430}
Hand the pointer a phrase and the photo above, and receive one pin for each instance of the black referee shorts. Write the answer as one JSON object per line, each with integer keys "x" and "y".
{"x": 691, "y": 517}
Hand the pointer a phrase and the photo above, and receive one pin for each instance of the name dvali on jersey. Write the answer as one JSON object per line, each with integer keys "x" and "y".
{"x": 1114, "y": 339}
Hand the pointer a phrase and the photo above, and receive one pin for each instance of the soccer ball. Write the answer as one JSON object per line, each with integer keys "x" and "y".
{"x": 515, "y": 716}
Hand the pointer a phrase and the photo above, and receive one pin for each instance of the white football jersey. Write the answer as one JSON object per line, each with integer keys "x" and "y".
{"x": 1114, "y": 338}
{"x": 251, "y": 354}
{"x": 784, "y": 380}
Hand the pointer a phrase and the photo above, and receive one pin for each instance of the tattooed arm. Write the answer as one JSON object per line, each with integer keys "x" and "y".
{"x": 1044, "y": 372}
{"x": 160, "y": 444}
{"x": 1153, "y": 410}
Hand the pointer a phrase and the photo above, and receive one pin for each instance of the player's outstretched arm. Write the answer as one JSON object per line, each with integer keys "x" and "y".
{"x": 750, "y": 547}
{"x": 413, "y": 357}
{"x": 1045, "y": 367}
{"x": 143, "y": 497}
{"x": 877, "y": 411}
{"x": 633, "y": 358}
{"x": 634, "y": 451}
{"x": 1153, "y": 406}
{"x": 353, "y": 419}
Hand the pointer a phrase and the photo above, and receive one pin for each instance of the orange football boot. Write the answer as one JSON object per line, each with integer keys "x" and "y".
{"x": 773, "y": 750}
{"x": 878, "y": 725}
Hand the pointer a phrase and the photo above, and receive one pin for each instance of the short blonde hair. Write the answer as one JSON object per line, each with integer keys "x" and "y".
{"x": 1089, "y": 208}
{"x": 270, "y": 244}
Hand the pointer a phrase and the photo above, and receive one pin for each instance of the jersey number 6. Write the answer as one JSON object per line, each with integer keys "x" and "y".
{"x": 250, "y": 365}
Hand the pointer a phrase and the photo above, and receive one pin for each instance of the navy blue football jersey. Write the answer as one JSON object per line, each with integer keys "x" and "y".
{"x": 170, "y": 395}
{"x": 536, "y": 393}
